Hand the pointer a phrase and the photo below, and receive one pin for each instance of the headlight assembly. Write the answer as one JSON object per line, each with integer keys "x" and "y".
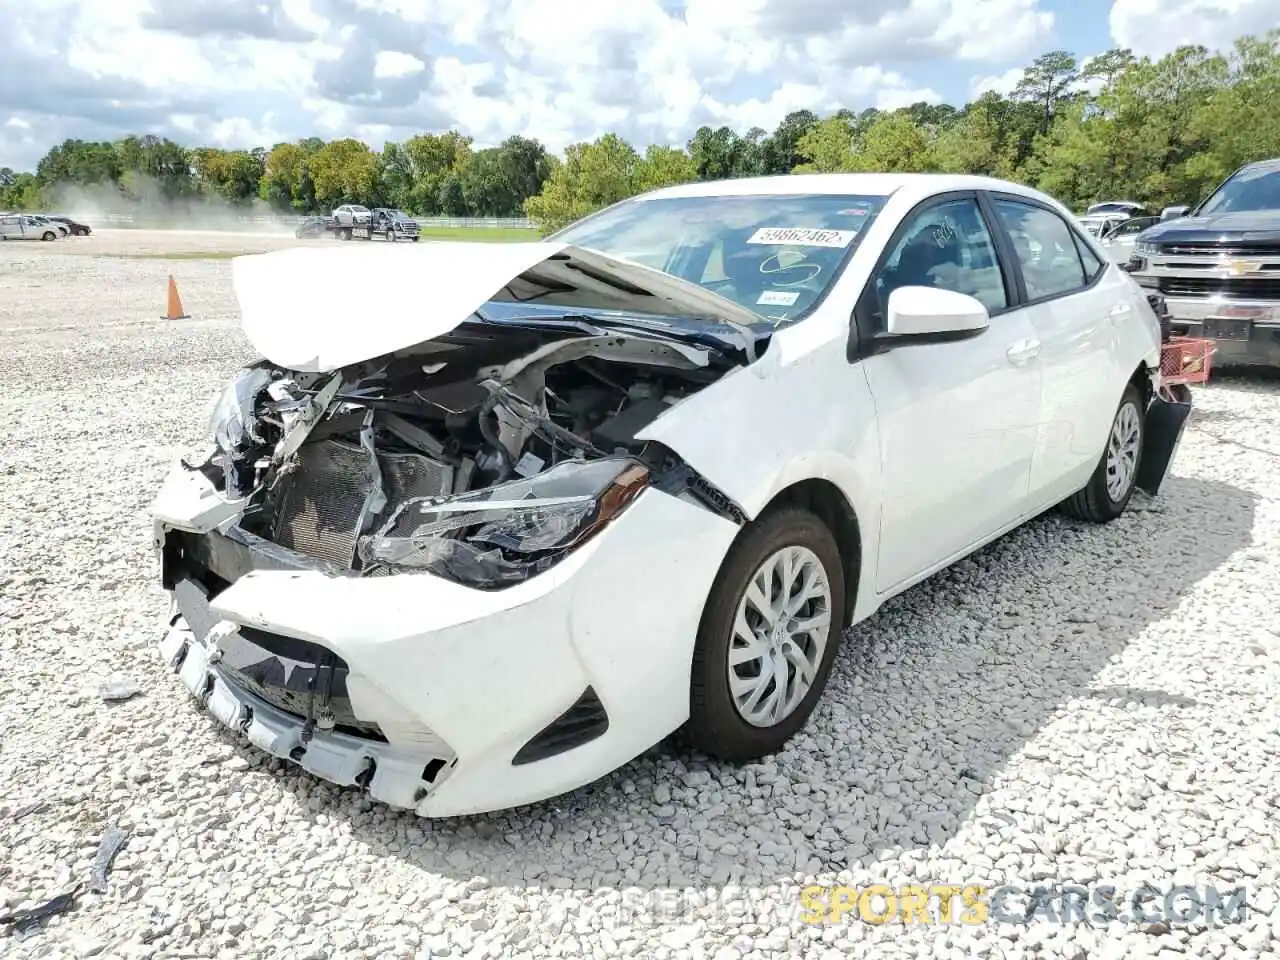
{"x": 231, "y": 421}
{"x": 507, "y": 533}
{"x": 1144, "y": 248}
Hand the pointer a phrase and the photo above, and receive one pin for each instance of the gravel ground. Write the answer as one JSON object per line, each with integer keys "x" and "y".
{"x": 1071, "y": 705}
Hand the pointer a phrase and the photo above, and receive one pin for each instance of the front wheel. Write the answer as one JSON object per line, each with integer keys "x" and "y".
{"x": 1107, "y": 493}
{"x": 768, "y": 637}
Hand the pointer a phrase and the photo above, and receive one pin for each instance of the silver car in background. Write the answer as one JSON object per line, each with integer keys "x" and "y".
{"x": 21, "y": 226}
{"x": 1118, "y": 238}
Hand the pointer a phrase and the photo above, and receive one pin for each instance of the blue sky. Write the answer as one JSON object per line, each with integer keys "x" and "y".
{"x": 245, "y": 73}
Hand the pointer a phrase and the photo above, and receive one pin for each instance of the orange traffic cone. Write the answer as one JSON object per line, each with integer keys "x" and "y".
{"x": 174, "y": 311}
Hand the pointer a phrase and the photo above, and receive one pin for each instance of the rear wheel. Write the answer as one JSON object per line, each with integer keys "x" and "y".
{"x": 1108, "y": 491}
{"x": 768, "y": 637}
{"x": 49, "y": 235}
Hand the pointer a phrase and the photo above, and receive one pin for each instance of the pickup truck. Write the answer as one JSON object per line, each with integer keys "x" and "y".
{"x": 1217, "y": 266}
{"x": 394, "y": 224}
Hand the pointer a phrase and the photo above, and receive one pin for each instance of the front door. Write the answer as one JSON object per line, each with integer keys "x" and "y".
{"x": 958, "y": 420}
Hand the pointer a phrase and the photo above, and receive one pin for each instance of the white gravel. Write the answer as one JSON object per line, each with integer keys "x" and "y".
{"x": 1073, "y": 704}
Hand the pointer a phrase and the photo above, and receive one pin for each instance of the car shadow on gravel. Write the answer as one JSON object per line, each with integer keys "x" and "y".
{"x": 929, "y": 701}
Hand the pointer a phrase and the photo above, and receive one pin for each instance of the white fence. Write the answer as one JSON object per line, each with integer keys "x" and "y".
{"x": 144, "y": 220}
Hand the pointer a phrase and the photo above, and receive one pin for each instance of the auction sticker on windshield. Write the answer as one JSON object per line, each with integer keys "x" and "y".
{"x": 803, "y": 237}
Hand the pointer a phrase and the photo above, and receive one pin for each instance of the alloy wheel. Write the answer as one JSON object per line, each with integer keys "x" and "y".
{"x": 780, "y": 632}
{"x": 1122, "y": 451}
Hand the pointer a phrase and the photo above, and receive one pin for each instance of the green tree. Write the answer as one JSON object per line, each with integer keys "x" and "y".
{"x": 591, "y": 176}
{"x": 345, "y": 171}
{"x": 827, "y": 147}
{"x": 717, "y": 154}
{"x": 1048, "y": 81}
{"x": 780, "y": 151}
{"x": 664, "y": 167}
{"x": 895, "y": 143}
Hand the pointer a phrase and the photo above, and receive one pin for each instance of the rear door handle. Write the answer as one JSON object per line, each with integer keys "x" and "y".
{"x": 1120, "y": 310}
{"x": 1023, "y": 352}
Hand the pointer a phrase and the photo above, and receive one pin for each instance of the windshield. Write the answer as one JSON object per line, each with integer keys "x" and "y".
{"x": 399, "y": 213}
{"x": 776, "y": 255}
{"x": 1257, "y": 189}
{"x": 356, "y": 208}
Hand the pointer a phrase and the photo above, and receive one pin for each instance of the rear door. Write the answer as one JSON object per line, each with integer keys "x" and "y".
{"x": 1074, "y": 300}
{"x": 958, "y": 420}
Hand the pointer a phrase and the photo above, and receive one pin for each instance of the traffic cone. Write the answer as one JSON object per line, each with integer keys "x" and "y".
{"x": 174, "y": 311}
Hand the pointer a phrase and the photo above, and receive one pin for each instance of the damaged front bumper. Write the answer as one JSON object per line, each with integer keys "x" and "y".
{"x": 428, "y": 694}
{"x": 1166, "y": 421}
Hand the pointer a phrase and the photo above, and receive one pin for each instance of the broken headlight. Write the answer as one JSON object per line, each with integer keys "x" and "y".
{"x": 509, "y": 532}
{"x": 232, "y": 422}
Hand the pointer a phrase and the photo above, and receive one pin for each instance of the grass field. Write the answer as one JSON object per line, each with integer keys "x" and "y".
{"x": 481, "y": 234}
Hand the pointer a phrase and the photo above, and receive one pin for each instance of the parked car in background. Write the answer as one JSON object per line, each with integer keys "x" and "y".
{"x": 41, "y": 219}
{"x": 1118, "y": 238}
{"x": 1125, "y": 208}
{"x": 478, "y": 554}
{"x": 75, "y": 227}
{"x": 16, "y": 226}
{"x": 1218, "y": 266}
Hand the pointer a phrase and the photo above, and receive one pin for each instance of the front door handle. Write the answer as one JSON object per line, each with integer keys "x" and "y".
{"x": 1023, "y": 352}
{"x": 1119, "y": 311}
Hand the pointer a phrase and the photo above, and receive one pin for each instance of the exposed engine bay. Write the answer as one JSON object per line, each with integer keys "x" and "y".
{"x": 482, "y": 456}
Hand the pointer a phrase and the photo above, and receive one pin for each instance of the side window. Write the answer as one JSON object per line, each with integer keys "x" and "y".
{"x": 1092, "y": 265}
{"x": 1050, "y": 260}
{"x": 947, "y": 246}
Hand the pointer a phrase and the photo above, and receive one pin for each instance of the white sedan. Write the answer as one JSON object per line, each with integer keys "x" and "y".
{"x": 485, "y": 549}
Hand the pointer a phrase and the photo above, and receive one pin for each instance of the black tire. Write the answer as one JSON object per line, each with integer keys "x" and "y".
{"x": 1095, "y": 503}
{"x": 715, "y": 726}
{"x": 49, "y": 235}
{"x": 415, "y": 239}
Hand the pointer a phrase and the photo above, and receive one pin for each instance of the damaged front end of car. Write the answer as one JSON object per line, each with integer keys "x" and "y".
{"x": 483, "y": 472}
{"x": 473, "y": 464}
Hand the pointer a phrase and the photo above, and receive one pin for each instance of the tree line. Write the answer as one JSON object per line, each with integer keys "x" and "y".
{"x": 1158, "y": 132}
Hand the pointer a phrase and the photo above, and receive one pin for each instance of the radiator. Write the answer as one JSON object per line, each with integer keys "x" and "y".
{"x": 323, "y": 500}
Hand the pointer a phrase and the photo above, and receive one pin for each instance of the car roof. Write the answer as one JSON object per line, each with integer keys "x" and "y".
{"x": 918, "y": 186}
{"x": 1273, "y": 164}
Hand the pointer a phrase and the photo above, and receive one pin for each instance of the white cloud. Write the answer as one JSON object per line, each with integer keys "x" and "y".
{"x": 1001, "y": 83}
{"x": 248, "y": 73}
{"x": 393, "y": 63}
{"x": 1156, "y": 27}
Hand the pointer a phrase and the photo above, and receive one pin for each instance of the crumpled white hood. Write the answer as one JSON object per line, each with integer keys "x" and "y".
{"x": 317, "y": 310}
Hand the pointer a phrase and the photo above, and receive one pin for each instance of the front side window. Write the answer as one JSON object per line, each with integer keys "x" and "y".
{"x": 775, "y": 255}
{"x": 948, "y": 246}
{"x": 1047, "y": 255}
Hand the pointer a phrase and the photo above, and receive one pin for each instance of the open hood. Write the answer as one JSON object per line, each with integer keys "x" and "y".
{"x": 320, "y": 310}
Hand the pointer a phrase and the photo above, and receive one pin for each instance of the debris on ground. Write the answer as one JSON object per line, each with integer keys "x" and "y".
{"x": 27, "y": 922}
{"x": 117, "y": 690}
{"x": 112, "y": 842}
{"x": 27, "y": 810}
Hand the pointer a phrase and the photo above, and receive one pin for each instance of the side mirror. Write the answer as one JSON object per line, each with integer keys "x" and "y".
{"x": 933, "y": 315}
{"x": 1173, "y": 213}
